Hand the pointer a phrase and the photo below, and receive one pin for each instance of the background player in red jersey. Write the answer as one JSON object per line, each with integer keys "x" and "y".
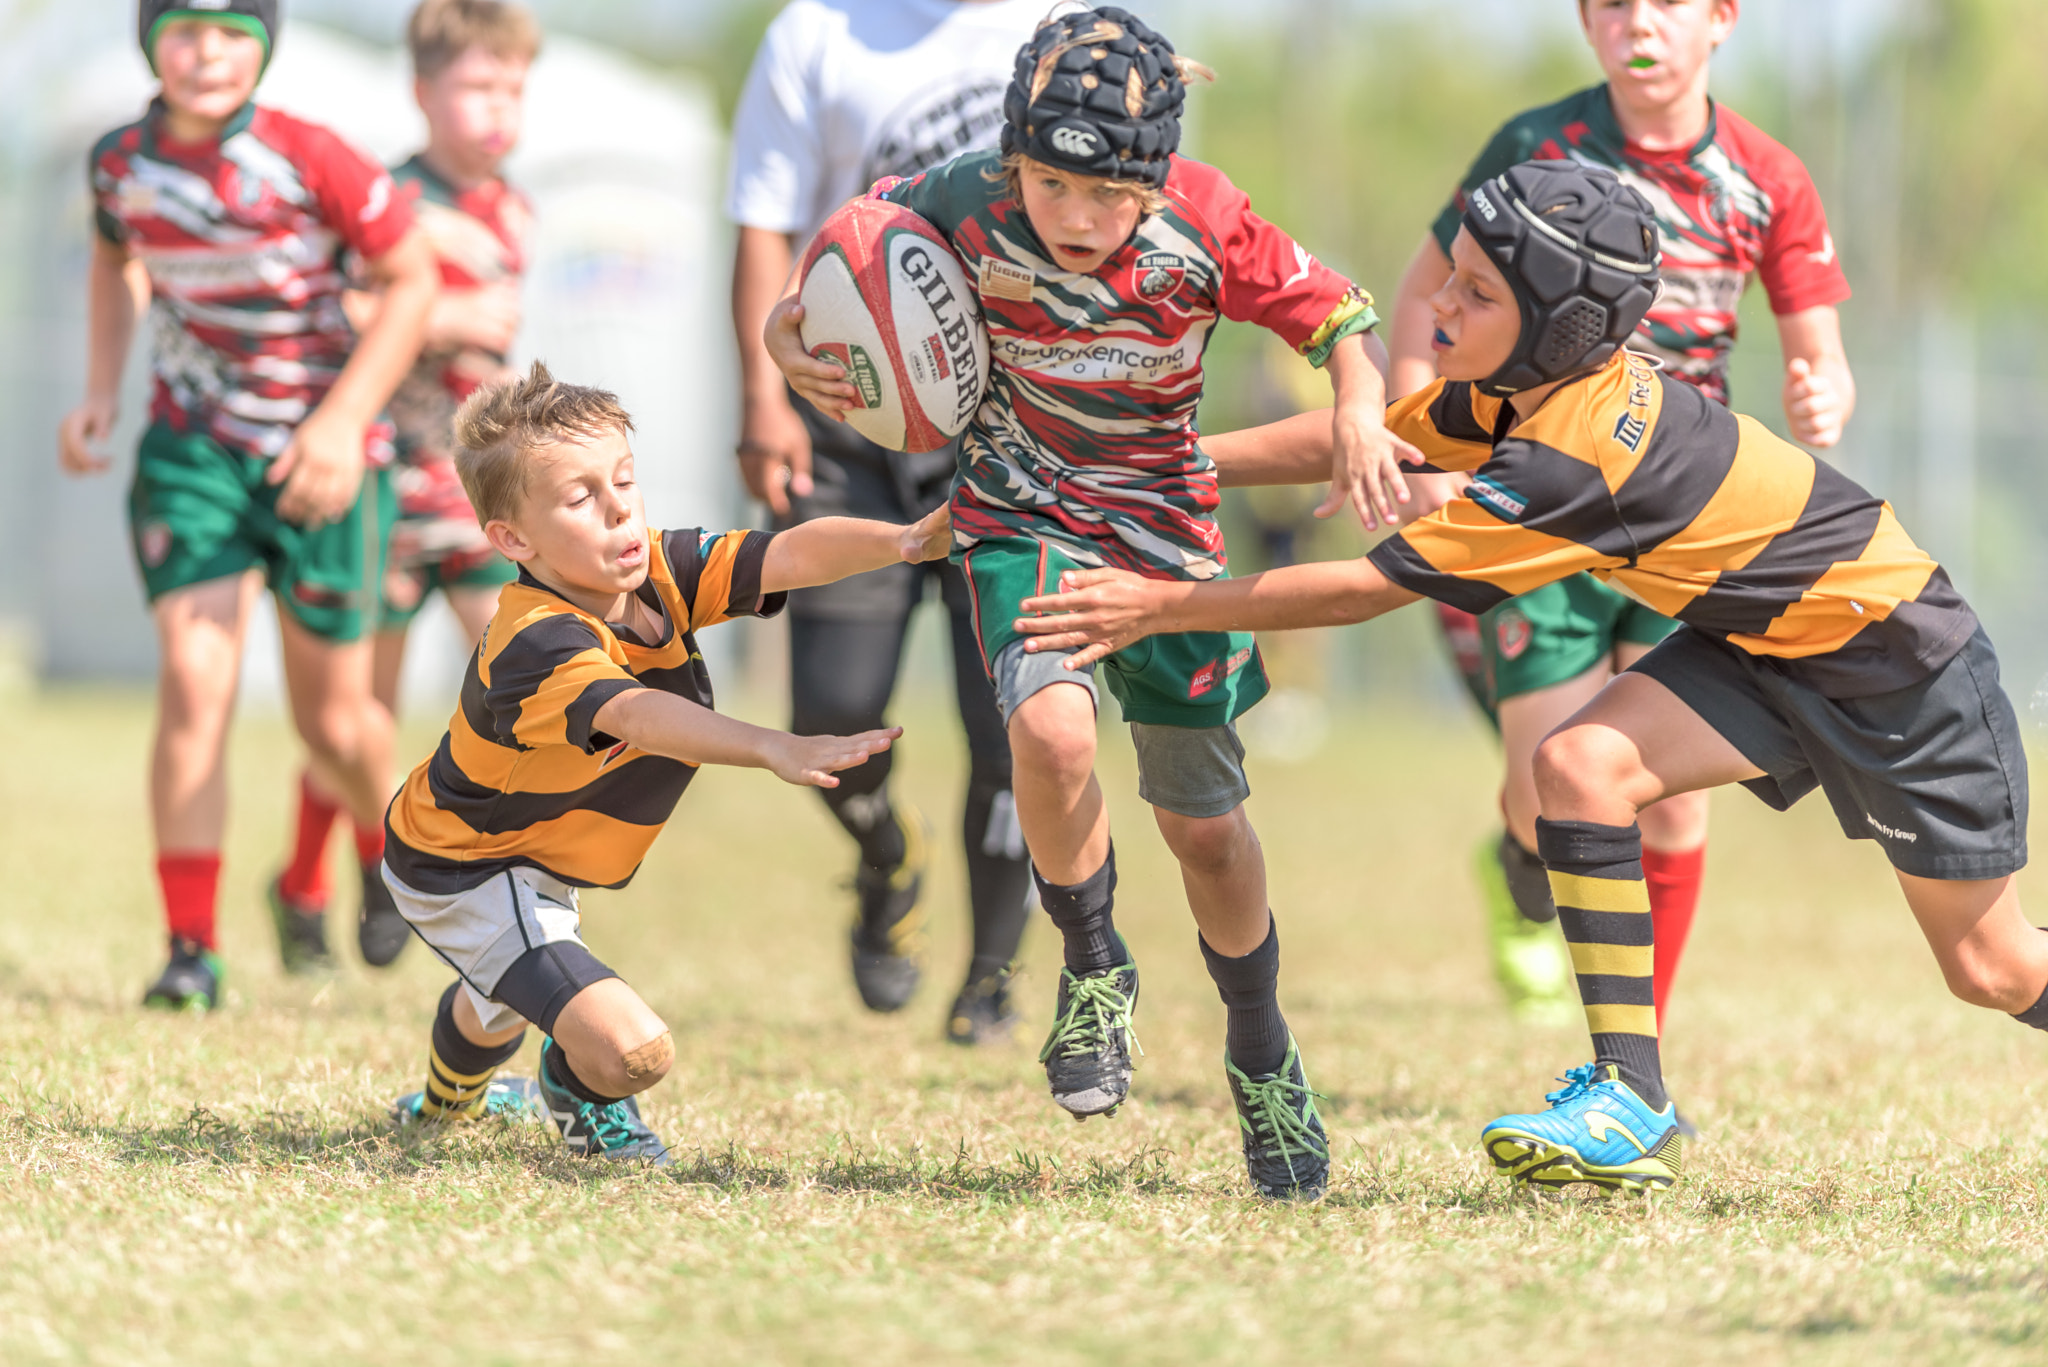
{"x": 231, "y": 221}
{"x": 1731, "y": 205}
{"x": 470, "y": 59}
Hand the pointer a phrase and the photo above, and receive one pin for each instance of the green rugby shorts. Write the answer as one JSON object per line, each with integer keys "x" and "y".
{"x": 198, "y": 511}
{"x": 1550, "y": 636}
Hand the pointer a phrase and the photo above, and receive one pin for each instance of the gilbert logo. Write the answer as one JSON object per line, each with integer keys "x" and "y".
{"x": 1603, "y": 1126}
{"x": 1073, "y": 141}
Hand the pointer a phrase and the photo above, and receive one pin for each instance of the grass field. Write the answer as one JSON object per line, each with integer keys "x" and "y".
{"x": 1871, "y": 1185}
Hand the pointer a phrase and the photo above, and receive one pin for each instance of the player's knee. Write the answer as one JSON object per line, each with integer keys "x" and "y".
{"x": 1984, "y": 980}
{"x": 628, "y": 1069}
{"x": 1053, "y": 739}
{"x": 1208, "y": 845}
{"x": 1578, "y": 762}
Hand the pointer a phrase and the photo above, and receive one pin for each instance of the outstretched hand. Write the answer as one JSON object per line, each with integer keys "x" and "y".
{"x": 928, "y": 538}
{"x": 1096, "y": 613}
{"x": 824, "y": 383}
{"x": 1813, "y": 405}
{"x": 1365, "y": 468}
{"x": 811, "y": 761}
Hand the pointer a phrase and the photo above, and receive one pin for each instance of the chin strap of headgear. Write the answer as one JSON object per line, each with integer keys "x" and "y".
{"x": 1579, "y": 250}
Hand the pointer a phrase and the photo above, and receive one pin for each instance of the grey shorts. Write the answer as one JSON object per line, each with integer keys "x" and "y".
{"x": 1190, "y": 771}
{"x": 1934, "y": 772}
{"x": 516, "y": 941}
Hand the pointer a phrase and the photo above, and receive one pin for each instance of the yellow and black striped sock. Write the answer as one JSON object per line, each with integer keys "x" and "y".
{"x": 459, "y": 1072}
{"x": 1603, "y": 907}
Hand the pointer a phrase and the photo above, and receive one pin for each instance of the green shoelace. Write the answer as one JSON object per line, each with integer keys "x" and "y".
{"x": 1280, "y": 1111}
{"x": 1096, "y": 1006}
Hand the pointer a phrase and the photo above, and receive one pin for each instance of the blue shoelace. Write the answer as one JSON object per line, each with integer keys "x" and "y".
{"x": 1577, "y": 1081}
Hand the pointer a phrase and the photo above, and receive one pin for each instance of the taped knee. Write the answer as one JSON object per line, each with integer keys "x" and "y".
{"x": 648, "y": 1062}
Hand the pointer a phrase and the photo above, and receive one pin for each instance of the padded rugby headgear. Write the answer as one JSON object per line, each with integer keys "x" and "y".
{"x": 1098, "y": 93}
{"x": 258, "y": 17}
{"x": 1579, "y": 250}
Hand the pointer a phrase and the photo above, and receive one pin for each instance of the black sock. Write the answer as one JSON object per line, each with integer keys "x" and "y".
{"x": 1254, "y": 1031}
{"x": 1603, "y": 907}
{"x": 1082, "y": 913}
{"x": 998, "y": 877}
{"x": 557, "y": 1064}
{"x": 459, "y": 1071}
{"x": 870, "y": 818}
{"x": 1528, "y": 881}
{"x": 2037, "y": 1014}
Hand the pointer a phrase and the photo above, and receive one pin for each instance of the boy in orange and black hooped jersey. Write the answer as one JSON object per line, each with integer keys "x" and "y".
{"x": 584, "y": 714}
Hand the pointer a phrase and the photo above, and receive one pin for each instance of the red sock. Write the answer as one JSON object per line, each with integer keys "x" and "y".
{"x": 1674, "y": 881}
{"x": 369, "y": 844}
{"x": 305, "y": 878}
{"x": 189, "y": 879}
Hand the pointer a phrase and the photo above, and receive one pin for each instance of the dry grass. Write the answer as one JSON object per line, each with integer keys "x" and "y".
{"x": 1870, "y": 1187}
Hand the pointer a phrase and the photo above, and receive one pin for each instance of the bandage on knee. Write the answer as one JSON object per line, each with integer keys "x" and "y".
{"x": 651, "y": 1059}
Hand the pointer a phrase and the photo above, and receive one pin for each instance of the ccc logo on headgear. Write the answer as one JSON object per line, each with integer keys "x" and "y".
{"x": 1074, "y": 142}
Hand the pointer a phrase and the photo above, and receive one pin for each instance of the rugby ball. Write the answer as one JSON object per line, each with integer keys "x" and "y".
{"x": 887, "y": 300}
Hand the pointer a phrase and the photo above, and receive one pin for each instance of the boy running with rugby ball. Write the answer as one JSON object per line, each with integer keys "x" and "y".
{"x": 584, "y": 714}
{"x": 1103, "y": 263}
{"x": 1818, "y": 646}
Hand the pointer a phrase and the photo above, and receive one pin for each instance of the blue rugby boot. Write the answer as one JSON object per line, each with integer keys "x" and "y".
{"x": 512, "y": 1099}
{"x": 1597, "y": 1130}
{"x": 615, "y": 1131}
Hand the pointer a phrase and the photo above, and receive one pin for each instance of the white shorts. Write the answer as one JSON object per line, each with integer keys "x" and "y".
{"x": 482, "y": 932}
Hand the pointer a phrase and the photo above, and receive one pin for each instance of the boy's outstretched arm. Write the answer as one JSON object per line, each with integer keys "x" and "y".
{"x": 664, "y": 724}
{"x": 117, "y": 291}
{"x": 1365, "y": 464}
{"x": 1820, "y": 392}
{"x": 323, "y": 466}
{"x": 1294, "y": 450}
{"x": 827, "y": 549}
{"x": 1102, "y": 611}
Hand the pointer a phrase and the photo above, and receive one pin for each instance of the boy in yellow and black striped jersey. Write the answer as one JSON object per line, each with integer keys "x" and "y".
{"x": 1819, "y": 647}
{"x": 585, "y": 712}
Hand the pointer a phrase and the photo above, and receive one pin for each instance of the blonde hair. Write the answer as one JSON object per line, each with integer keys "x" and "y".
{"x": 501, "y": 428}
{"x": 442, "y": 30}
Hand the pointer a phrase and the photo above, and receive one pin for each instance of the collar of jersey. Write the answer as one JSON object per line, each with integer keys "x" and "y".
{"x": 1610, "y": 127}
{"x": 154, "y": 123}
{"x": 646, "y": 593}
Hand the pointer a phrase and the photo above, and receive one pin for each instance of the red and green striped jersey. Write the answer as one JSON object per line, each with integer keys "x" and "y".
{"x": 1735, "y": 204}
{"x": 1086, "y": 435}
{"x": 244, "y": 239}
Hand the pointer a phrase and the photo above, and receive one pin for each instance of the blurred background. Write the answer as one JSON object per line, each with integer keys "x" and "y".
{"x": 1923, "y": 122}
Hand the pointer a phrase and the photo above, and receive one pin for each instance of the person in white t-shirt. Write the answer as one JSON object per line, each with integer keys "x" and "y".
{"x": 842, "y": 93}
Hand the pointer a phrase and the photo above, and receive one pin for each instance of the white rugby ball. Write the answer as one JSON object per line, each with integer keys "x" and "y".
{"x": 885, "y": 297}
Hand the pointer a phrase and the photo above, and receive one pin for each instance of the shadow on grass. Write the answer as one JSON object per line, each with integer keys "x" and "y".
{"x": 1022, "y": 1177}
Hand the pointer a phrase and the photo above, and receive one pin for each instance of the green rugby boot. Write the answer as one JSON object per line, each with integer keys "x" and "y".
{"x": 191, "y": 981}
{"x": 301, "y": 933}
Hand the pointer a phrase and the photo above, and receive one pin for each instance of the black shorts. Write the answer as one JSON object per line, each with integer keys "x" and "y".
{"x": 853, "y": 477}
{"x": 1934, "y": 771}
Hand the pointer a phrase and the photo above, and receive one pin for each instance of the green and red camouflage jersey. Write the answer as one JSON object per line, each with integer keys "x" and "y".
{"x": 1734, "y": 205}
{"x": 244, "y": 239}
{"x": 1086, "y": 435}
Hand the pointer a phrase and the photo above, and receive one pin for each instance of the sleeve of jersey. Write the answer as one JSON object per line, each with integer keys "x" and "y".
{"x": 936, "y": 195}
{"x": 1800, "y": 268}
{"x": 109, "y": 228}
{"x": 1504, "y": 537}
{"x": 1449, "y": 422}
{"x": 1271, "y": 280}
{"x": 1506, "y": 148}
{"x": 719, "y": 574}
{"x": 549, "y": 682}
{"x": 357, "y": 197}
{"x": 777, "y": 160}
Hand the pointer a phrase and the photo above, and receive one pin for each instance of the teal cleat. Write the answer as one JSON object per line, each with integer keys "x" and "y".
{"x": 615, "y": 1131}
{"x": 1597, "y": 1130}
{"x": 511, "y": 1099}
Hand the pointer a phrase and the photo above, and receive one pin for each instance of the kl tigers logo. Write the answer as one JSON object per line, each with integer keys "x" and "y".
{"x": 1511, "y": 634}
{"x": 1158, "y": 276}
